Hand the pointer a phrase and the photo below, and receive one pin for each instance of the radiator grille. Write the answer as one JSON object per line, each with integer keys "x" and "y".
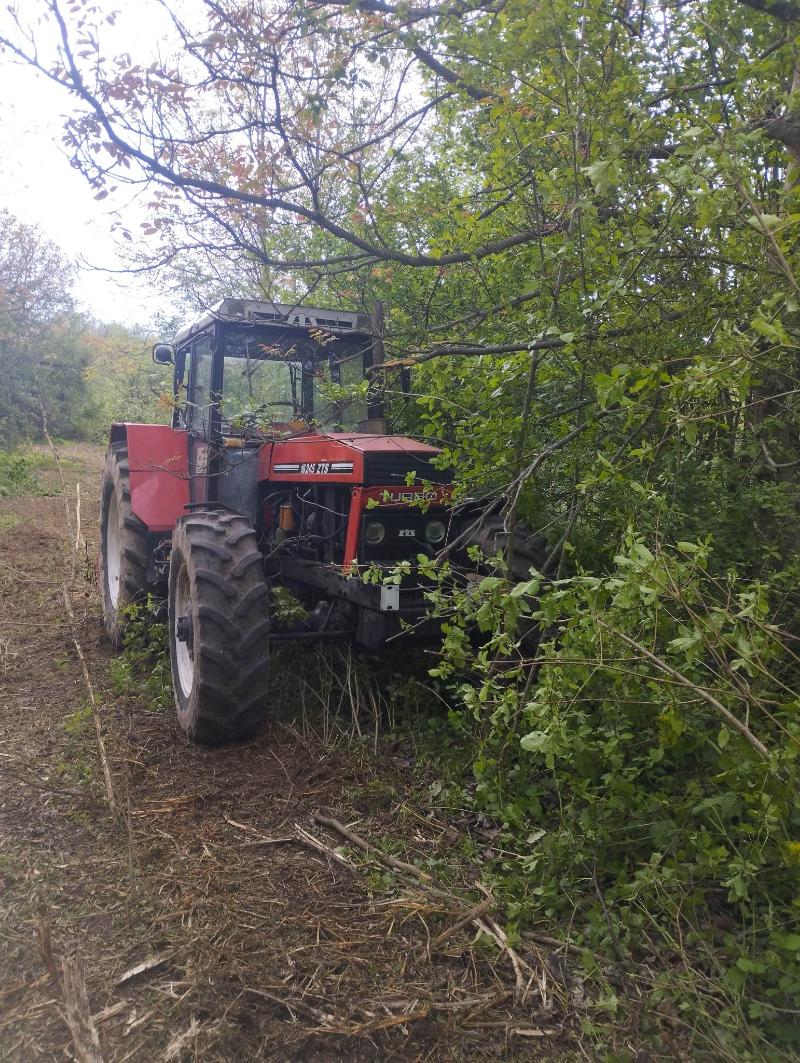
{"x": 393, "y": 467}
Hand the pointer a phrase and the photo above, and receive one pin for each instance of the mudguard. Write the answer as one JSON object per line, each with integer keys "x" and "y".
{"x": 158, "y": 458}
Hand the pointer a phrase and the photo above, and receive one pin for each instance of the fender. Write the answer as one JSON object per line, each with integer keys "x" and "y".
{"x": 158, "y": 458}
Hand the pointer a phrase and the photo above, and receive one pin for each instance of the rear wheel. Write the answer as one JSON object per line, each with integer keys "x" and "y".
{"x": 218, "y": 627}
{"x": 123, "y": 550}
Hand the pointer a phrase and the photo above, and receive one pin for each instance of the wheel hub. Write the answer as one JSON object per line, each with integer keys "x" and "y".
{"x": 184, "y": 629}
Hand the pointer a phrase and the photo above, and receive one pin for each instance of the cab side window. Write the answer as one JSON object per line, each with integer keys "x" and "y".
{"x": 183, "y": 367}
{"x": 198, "y": 408}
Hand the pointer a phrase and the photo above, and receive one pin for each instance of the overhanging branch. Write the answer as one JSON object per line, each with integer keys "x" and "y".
{"x": 152, "y": 165}
{"x": 547, "y": 343}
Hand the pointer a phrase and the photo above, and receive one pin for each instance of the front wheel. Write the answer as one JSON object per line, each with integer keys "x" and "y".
{"x": 218, "y": 627}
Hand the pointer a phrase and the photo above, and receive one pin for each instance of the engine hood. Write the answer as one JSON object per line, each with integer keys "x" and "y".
{"x": 347, "y": 457}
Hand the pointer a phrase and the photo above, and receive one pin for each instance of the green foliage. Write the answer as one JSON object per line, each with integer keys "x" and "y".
{"x": 77, "y": 766}
{"x": 123, "y": 382}
{"x": 582, "y": 220}
{"x": 17, "y": 474}
{"x": 629, "y": 803}
{"x": 143, "y": 668}
{"x": 41, "y": 360}
{"x": 58, "y": 367}
{"x": 284, "y": 606}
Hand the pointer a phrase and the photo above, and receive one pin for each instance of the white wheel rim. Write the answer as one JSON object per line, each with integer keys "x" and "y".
{"x": 184, "y": 652}
{"x": 113, "y": 551}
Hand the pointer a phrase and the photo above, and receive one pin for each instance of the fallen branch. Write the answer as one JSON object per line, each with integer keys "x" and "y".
{"x": 488, "y": 926}
{"x": 151, "y": 963}
{"x": 286, "y": 839}
{"x": 78, "y": 537}
{"x": 77, "y": 1015}
{"x": 45, "y": 941}
{"x": 472, "y": 915}
{"x": 302, "y": 837}
{"x": 292, "y": 1006}
{"x": 498, "y": 935}
{"x": 101, "y": 746}
{"x": 37, "y": 784}
{"x": 111, "y": 1011}
{"x": 367, "y": 847}
{"x": 314, "y": 843}
{"x": 374, "y": 1025}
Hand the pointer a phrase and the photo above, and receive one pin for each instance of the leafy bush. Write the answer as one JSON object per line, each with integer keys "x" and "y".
{"x": 17, "y": 476}
{"x": 143, "y": 668}
{"x": 643, "y": 767}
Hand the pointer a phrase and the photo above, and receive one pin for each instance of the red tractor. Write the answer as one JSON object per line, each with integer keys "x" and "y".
{"x": 276, "y": 472}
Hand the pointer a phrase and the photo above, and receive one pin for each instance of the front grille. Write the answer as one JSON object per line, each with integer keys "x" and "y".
{"x": 393, "y": 467}
{"x": 405, "y": 534}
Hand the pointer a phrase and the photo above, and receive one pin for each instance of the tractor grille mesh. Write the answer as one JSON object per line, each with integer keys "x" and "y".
{"x": 392, "y": 468}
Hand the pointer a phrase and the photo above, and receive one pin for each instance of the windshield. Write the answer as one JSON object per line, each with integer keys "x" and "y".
{"x": 260, "y": 390}
{"x": 270, "y": 384}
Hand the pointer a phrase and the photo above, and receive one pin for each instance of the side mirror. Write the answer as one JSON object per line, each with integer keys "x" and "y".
{"x": 163, "y": 354}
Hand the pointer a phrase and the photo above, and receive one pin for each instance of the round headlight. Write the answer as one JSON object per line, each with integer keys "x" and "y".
{"x": 435, "y": 532}
{"x": 375, "y": 533}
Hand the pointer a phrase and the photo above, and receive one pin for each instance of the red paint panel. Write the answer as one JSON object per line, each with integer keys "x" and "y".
{"x": 313, "y": 459}
{"x": 159, "y": 463}
{"x": 306, "y": 457}
{"x": 354, "y": 526}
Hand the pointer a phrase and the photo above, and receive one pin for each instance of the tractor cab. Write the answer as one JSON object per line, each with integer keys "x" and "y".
{"x": 281, "y": 425}
{"x": 254, "y": 371}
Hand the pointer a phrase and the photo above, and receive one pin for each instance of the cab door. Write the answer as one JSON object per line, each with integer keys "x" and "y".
{"x": 199, "y": 415}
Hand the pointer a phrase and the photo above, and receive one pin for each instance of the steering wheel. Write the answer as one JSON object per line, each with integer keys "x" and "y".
{"x": 250, "y": 421}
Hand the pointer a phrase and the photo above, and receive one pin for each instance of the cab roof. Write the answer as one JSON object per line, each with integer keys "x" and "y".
{"x": 257, "y": 312}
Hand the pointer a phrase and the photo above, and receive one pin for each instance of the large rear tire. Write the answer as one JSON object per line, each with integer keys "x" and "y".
{"x": 218, "y": 627}
{"x": 123, "y": 549}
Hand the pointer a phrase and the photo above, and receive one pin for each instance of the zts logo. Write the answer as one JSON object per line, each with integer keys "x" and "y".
{"x": 315, "y": 468}
{"x": 407, "y": 533}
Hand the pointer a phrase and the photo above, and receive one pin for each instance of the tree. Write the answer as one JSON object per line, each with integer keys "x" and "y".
{"x": 41, "y": 358}
{"x": 505, "y": 177}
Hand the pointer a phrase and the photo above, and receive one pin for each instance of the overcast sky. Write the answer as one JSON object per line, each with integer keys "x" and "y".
{"x": 38, "y": 185}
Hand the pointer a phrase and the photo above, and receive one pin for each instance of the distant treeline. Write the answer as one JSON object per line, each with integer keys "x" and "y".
{"x": 55, "y": 362}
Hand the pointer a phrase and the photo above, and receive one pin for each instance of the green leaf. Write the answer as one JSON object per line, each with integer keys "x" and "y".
{"x": 535, "y": 742}
{"x": 758, "y": 221}
{"x": 603, "y": 174}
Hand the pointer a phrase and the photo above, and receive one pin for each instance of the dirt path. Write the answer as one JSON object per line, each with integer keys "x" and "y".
{"x": 252, "y": 948}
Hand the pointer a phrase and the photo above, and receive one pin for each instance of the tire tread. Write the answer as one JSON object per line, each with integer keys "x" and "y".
{"x": 231, "y": 680}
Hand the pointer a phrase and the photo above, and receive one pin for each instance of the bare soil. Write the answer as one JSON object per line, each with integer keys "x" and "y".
{"x": 250, "y": 943}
